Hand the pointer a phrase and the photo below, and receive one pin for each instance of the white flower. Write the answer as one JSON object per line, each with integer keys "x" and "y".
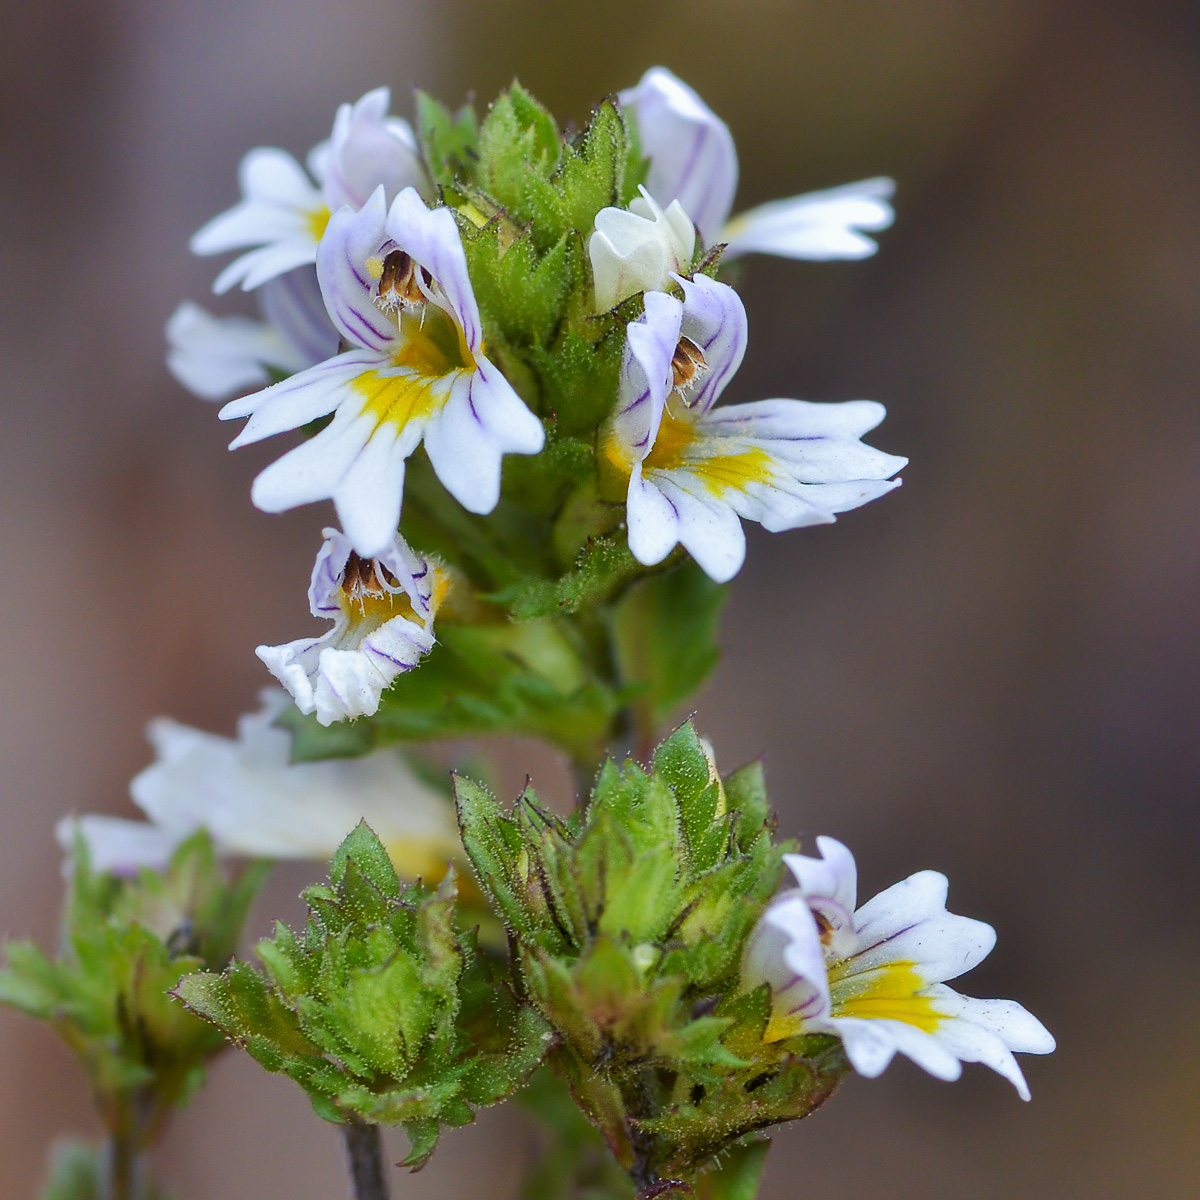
{"x": 875, "y": 976}
{"x": 694, "y": 470}
{"x": 693, "y": 161}
{"x": 638, "y": 249}
{"x": 215, "y": 357}
{"x": 254, "y": 801}
{"x": 382, "y": 609}
{"x": 396, "y": 286}
{"x": 283, "y": 214}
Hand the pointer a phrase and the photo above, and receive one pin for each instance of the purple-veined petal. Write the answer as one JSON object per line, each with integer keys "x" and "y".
{"x": 351, "y": 240}
{"x": 431, "y": 238}
{"x": 819, "y": 225}
{"x": 691, "y": 151}
{"x": 368, "y": 149}
{"x": 715, "y": 319}
{"x": 304, "y": 397}
{"x": 908, "y": 922}
{"x": 292, "y": 303}
{"x": 645, "y": 381}
{"x": 652, "y": 519}
{"x": 708, "y": 528}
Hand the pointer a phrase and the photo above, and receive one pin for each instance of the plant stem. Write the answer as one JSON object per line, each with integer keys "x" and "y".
{"x": 364, "y": 1154}
{"x": 124, "y": 1167}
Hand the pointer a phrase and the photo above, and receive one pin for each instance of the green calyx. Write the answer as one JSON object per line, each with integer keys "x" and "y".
{"x": 629, "y": 920}
{"x": 379, "y": 1008}
{"x": 126, "y": 945}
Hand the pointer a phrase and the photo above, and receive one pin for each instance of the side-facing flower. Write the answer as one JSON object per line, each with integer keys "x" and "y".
{"x": 638, "y": 249}
{"x": 693, "y": 161}
{"x": 254, "y": 801}
{"x": 694, "y": 470}
{"x": 382, "y": 609}
{"x": 283, "y": 214}
{"x": 217, "y": 357}
{"x": 875, "y": 976}
{"x": 396, "y": 286}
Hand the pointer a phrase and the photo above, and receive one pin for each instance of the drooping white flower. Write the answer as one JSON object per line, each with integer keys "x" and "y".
{"x": 217, "y": 357}
{"x": 254, "y": 801}
{"x": 638, "y": 249}
{"x": 382, "y": 609}
{"x": 396, "y": 286}
{"x": 693, "y": 160}
{"x": 875, "y": 976}
{"x": 694, "y": 470}
{"x": 283, "y": 214}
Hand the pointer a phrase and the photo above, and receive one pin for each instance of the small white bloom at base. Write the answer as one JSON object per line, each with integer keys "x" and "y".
{"x": 638, "y": 249}
{"x": 875, "y": 976}
{"x": 382, "y": 610}
{"x": 255, "y": 802}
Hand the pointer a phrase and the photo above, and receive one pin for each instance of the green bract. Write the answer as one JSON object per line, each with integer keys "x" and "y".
{"x": 126, "y": 944}
{"x": 629, "y": 920}
{"x": 380, "y": 1009}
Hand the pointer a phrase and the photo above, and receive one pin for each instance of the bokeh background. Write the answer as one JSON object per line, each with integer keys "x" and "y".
{"x": 993, "y": 672}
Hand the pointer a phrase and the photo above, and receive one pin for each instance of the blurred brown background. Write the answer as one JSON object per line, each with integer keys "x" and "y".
{"x": 993, "y": 672}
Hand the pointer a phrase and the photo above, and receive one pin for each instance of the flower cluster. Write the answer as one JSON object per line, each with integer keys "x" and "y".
{"x": 502, "y": 353}
{"x": 375, "y": 340}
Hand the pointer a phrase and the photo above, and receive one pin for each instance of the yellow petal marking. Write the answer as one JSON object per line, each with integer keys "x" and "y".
{"x": 676, "y": 449}
{"x": 889, "y": 993}
{"x": 317, "y": 220}
{"x": 430, "y": 349}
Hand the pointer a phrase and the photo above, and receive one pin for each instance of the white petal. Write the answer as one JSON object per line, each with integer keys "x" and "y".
{"x": 315, "y": 469}
{"x": 117, "y": 845}
{"x": 1011, "y": 1022}
{"x": 255, "y": 268}
{"x": 819, "y": 225}
{"x": 691, "y": 152}
{"x": 637, "y": 250}
{"x": 908, "y": 922}
{"x": 351, "y": 239}
{"x": 368, "y": 497}
{"x": 652, "y": 519}
{"x": 302, "y": 398}
{"x": 294, "y": 664}
{"x": 217, "y": 356}
{"x": 482, "y": 419}
{"x": 645, "y": 380}
{"x": 708, "y": 527}
{"x": 870, "y": 1046}
{"x": 715, "y": 319}
{"x": 292, "y": 303}
{"x": 431, "y": 238}
{"x": 368, "y": 150}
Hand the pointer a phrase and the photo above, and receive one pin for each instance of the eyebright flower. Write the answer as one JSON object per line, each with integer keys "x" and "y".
{"x": 382, "y": 609}
{"x": 694, "y": 470}
{"x": 254, "y": 801}
{"x": 216, "y": 357}
{"x": 638, "y": 249}
{"x": 875, "y": 976}
{"x": 283, "y": 214}
{"x": 693, "y": 161}
{"x": 395, "y": 283}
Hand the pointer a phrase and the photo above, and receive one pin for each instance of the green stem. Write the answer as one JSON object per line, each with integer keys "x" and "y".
{"x": 124, "y": 1167}
{"x": 364, "y": 1156}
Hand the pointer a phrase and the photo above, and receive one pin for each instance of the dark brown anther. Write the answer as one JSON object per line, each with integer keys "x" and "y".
{"x": 686, "y": 363}
{"x": 823, "y": 927}
{"x": 400, "y": 282}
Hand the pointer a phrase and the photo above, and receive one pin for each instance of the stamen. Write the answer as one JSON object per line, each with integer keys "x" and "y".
{"x": 403, "y": 283}
{"x": 687, "y": 364}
